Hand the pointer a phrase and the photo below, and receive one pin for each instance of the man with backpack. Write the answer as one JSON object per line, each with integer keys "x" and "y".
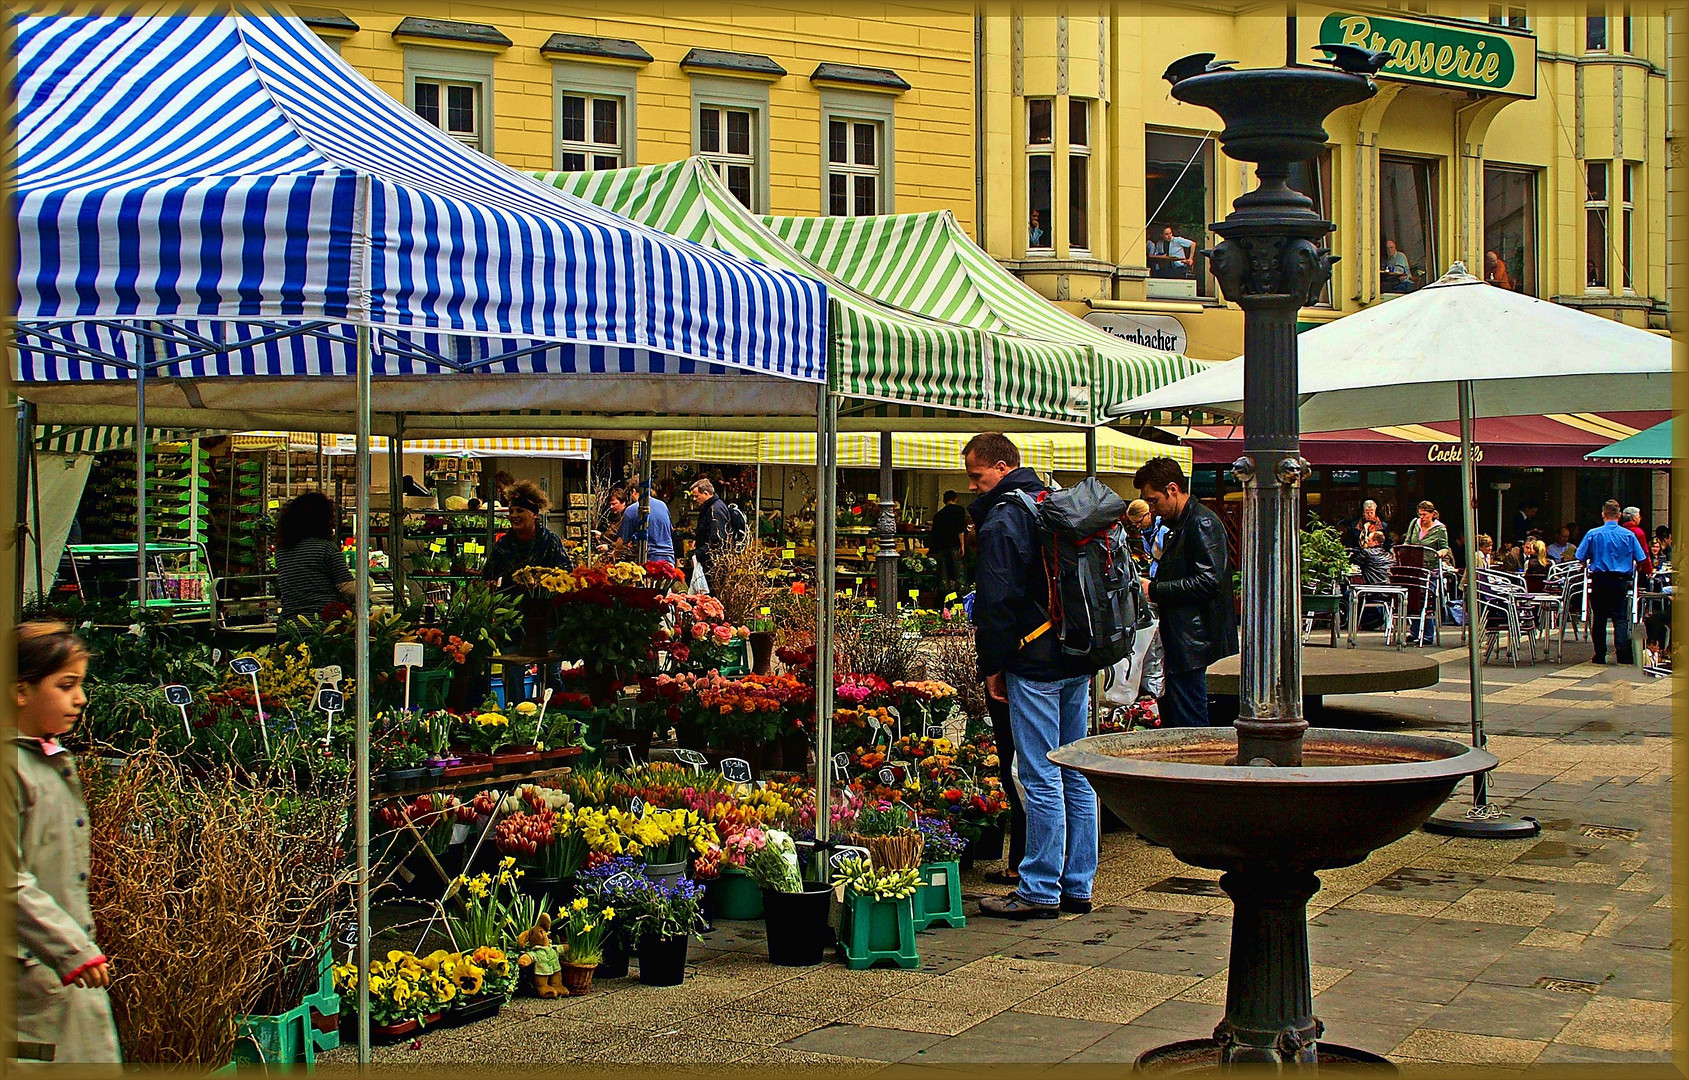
{"x": 719, "y": 525}
{"x": 1033, "y": 656}
{"x": 1191, "y": 591}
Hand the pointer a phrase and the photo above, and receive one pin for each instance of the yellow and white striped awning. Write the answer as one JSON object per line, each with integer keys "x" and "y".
{"x": 1045, "y": 452}
{"x": 338, "y": 445}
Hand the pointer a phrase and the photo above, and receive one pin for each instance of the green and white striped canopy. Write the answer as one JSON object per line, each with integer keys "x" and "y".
{"x": 926, "y": 263}
{"x": 879, "y": 351}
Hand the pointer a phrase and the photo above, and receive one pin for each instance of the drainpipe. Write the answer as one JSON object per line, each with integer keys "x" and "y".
{"x": 979, "y": 128}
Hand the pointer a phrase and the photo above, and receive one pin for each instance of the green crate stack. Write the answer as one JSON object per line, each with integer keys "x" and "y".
{"x": 240, "y": 526}
{"x": 107, "y": 510}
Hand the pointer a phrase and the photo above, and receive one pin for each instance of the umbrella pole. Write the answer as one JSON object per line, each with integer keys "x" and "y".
{"x": 360, "y": 618}
{"x": 1484, "y": 820}
{"x": 826, "y": 497}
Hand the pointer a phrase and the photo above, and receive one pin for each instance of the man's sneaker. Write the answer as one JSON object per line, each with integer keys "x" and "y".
{"x": 1073, "y": 905}
{"x": 1015, "y": 906}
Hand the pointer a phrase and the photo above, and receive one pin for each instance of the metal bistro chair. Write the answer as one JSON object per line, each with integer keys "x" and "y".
{"x": 1416, "y": 569}
{"x": 1571, "y": 581}
{"x": 1390, "y": 599}
{"x": 1506, "y": 609}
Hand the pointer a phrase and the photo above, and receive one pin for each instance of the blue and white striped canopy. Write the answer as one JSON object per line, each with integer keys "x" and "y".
{"x": 225, "y": 196}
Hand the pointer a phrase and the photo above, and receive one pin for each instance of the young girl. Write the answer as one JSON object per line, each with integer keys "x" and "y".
{"x": 63, "y": 1011}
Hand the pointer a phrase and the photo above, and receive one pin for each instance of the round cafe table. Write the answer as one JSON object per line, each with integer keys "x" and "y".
{"x": 1340, "y": 671}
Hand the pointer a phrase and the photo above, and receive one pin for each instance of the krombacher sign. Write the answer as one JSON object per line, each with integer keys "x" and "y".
{"x": 1432, "y": 52}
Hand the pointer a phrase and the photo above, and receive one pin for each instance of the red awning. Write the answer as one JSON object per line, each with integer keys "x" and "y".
{"x": 1556, "y": 441}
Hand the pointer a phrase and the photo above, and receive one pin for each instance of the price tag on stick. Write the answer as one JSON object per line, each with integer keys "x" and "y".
{"x": 736, "y": 770}
{"x": 330, "y": 701}
{"x": 841, "y": 767}
{"x": 636, "y": 807}
{"x": 935, "y": 731}
{"x": 692, "y": 758}
{"x": 248, "y": 665}
{"x": 847, "y": 851}
{"x": 181, "y": 697}
{"x": 407, "y": 654}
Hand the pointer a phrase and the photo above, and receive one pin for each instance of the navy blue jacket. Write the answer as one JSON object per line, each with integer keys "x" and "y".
{"x": 1012, "y": 593}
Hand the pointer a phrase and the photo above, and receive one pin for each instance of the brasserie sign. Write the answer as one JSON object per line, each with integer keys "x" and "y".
{"x": 1431, "y": 52}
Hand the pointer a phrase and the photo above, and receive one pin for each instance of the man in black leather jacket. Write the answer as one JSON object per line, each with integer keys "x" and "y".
{"x": 1192, "y": 591}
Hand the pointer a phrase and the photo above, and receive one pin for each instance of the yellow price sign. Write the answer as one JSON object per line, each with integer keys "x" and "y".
{"x": 765, "y": 611}
{"x": 791, "y": 551}
{"x": 437, "y": 546}
{"x": 870, "y": 603}
{"x": 275, "y": 504}
{"x": 914, "y": 594}
{"x": 950, "y": 597}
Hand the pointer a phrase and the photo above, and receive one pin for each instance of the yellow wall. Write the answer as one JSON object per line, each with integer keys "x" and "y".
{"x": 1037, "y": 53}
{"x": 931, "y": 49}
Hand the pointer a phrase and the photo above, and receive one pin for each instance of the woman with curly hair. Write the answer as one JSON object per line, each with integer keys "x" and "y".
{"x": 527, "y": 542}
{"x": 311, "y": 570}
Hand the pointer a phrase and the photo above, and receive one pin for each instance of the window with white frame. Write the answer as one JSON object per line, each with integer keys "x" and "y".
{"x": 1510, "y": 16}
{"x": 727, "y": 139}
{"x": 1627, "y": 251}
{"x": 453, "y": 107}
{"x": 855, "y": 163}
{"x": 1079, "y": 174}
{"x": 589, "y": 132}
{"x": 1040, "y": 161}
{"x": 1595, "y": 224}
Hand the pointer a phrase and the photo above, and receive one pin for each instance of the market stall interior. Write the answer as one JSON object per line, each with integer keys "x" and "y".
{"x": 316, "y": 301}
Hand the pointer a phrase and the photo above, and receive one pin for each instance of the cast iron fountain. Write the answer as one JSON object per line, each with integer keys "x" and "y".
{"x": 1271, "y": 801}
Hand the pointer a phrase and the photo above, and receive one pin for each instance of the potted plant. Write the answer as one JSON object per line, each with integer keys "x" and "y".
{"x": 666, "y": 839}
{"x": 548, "y": 843}
{"x": 887, "y": 830}
{"x": 614, "y": 883}
{"x": 939, "y": 898}
{"x": 796, "y": 914}
{"x": 879, "y": 913}
{"x": 485, "y": 732}
{"x": 405, "y": 763}
{"x": 433, "y": 729}
{"x": 583, "y": 927}
{"x": 737, "y": 894}
{"x": 665, "y": 917}
{"x": 484, "y": 978}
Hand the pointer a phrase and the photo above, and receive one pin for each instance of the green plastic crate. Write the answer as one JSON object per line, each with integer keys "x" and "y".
{"x": 879, "y": 931}
{"x": 939, "y": 898}
{"x": 290, "y": 1038}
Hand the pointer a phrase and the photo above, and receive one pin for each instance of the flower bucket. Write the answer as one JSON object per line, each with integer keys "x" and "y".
{"x": 737, "y": 895}
{"x": 614, "y": 964}
{"x": 429, "y": 688}
{"x": 577, "y": 978}
{"x": 797, "y": 924}
{"x": 762, "y": 652}
{"x": 662, "y": 961}
{"x": 665, "y": 873}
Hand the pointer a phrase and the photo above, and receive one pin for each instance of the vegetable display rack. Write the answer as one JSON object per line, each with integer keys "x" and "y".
{"x": 240, "y": 522}
{"x": 878, "y": 931}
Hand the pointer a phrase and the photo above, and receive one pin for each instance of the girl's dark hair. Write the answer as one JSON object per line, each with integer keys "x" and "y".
{"x": 46, "y": 648}
{"x": 311, "y": 515}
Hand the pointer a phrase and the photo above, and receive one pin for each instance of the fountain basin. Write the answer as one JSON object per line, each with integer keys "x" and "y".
{"x": 1355, "y": 792}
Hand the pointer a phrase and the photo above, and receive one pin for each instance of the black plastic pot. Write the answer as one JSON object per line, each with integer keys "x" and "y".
{"x": 662, "y": 961}
{"x": 478, "y": 1009}
{"x": 614, "y": 963}
{"x": 798, "y": 926}
{"x": 547, "y": 890}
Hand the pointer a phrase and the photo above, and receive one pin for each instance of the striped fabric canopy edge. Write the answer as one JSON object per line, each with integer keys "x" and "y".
{"x": 231, "y": 183}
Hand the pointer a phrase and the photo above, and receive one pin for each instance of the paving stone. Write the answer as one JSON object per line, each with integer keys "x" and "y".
{"x": 949, "y": 1017}
{"x": 1644, "y": 1063}
{"x": 1455, "y": 1047}
{"x": 738, "y": 1025}
{"x": 1507, "y": 908}
{"x": 1546, "y": 938}
{"x": 1031, "y": 1037}
{"x": 1513, "y": 1012}
{"x": 1112, "y": 995}
{"x": 855, "y": 1041}
{"x": 1621, "y": 1024}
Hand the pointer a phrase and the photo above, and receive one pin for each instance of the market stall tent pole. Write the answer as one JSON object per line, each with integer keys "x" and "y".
{"x": 645, "y": 500}
{"x": 21, "y": 528}
{"x": 885, "y": 564}
{"x": 826, "y": 499}
{"x": 360, "y": 617}
{"x": 396, "y": 509}
{"x": 141, "y": 476}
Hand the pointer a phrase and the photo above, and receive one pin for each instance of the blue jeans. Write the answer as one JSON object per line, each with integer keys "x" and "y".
{"x": 1184, "y": 700}
{"x": 1061, "y": 808}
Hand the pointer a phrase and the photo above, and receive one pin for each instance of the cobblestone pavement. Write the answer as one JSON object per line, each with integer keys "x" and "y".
{"x": 1433, "y": 951}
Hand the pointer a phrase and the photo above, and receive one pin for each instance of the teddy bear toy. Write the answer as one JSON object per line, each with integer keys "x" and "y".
{"x": 539, "y": 955}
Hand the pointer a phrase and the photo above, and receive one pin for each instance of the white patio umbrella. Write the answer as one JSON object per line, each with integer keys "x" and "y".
{"x": 1458, "y": 348}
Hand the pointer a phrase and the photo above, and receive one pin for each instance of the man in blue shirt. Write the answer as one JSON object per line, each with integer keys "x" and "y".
{"x": 1612, "y": 554}
{"x": 659, "y": 532}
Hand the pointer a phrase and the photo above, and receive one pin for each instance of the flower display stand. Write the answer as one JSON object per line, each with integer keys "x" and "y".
{"x": 291, "y": 1038}
{"x": 939, "y": 899}
{"x": 876, "y": 931}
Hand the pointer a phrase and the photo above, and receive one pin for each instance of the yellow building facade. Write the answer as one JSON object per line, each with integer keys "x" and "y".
{"x": 1542, "y": 140}
{"x": 805, "y": 110}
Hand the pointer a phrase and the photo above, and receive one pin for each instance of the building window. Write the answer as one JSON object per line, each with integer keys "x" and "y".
{"x": 453, "y": 107}
{"x": 1626, "y": 27}
{"x": 1510, "y": 229}
{"x": 727, "y": 140}
{"x": 589, "y": 133}
{"x": 1178, "y": 172}
{"x": 1628, "y": 251}
{"x": 1595, "y": 30}
{"x": 1040, "y": 151}
{"x": 1079, "y": 174}
{"x": 1595, "y": 224}
{"x": 1313, "y": 179}
{"x": 1407, "y": 222}
{"x": 853, "y": 167}
{"x": 1508, "y": 16}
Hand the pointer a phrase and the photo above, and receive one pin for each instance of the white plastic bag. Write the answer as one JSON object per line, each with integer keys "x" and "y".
{"x": 700, "y": 584}
{"x": 1127, "y": 675}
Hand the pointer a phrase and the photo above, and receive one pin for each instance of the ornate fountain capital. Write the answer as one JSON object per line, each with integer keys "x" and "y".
{"x": 1292, "y": 470}
{"x": 1292, "y": 269}
{"x": 1243, "y": 470}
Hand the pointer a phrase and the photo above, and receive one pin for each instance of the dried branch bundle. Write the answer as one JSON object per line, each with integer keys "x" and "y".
{"x": 952, "y": 659}
{"x": 209, "y": 896}
{"x": 879, "y": 646}
{"x": 739, "y": 579}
